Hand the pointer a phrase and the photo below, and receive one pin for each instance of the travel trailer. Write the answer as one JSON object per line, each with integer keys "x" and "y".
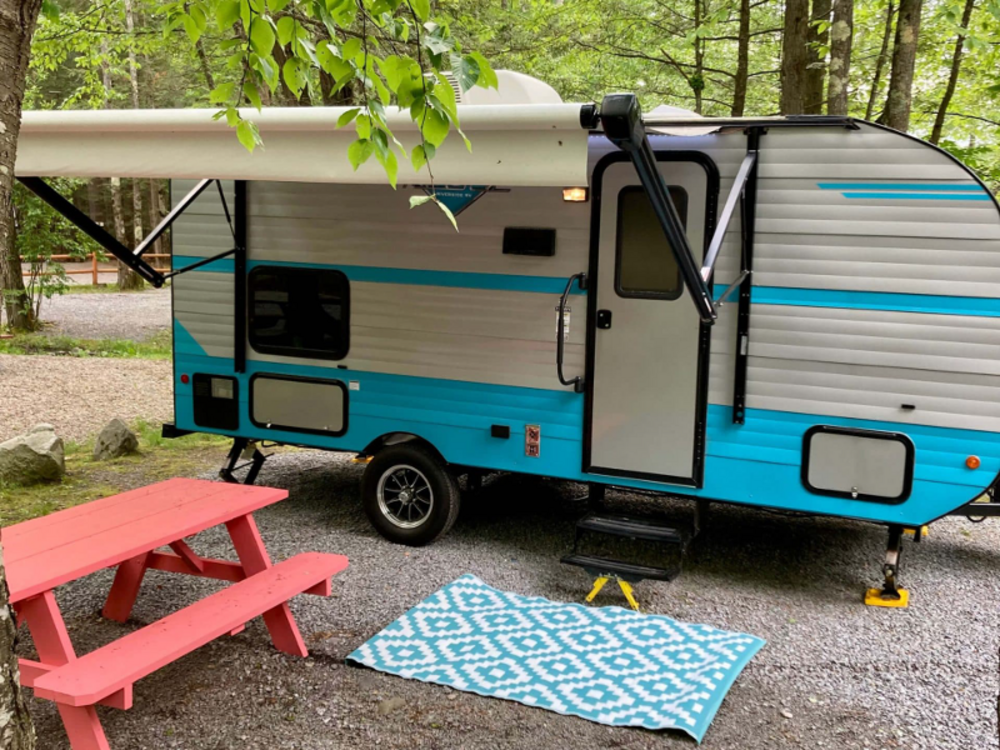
{"x": 797, "y": 313}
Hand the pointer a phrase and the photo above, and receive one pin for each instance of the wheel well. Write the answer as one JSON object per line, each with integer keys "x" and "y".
{"x": 397, "y": 438}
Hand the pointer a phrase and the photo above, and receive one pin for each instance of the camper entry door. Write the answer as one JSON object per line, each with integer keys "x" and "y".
{"x": 645, "y": 411}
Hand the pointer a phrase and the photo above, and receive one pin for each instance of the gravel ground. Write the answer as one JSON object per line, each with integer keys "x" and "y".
{"x": 109, "y": 315}
{"x": 79, "y": 395}
{"x": 834, "y": 673}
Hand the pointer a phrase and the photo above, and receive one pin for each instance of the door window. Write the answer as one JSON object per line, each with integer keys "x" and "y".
{"x": 646, "y": 267}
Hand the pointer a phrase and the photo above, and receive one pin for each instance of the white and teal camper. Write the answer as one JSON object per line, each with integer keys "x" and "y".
{"x": 796, "y": 313}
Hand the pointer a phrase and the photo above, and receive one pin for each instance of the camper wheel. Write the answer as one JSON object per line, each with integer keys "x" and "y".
{"x": 409, "y": 495}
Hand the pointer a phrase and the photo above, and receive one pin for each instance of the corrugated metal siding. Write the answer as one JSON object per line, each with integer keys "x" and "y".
{"x": 496, "y": 337}
{"x": 371, "y": 225}
{"x": 486, "y": 336}
{"x": 204, "y": 305}
{"x": 202, "y": 230}
{"x": 866, "y": 364}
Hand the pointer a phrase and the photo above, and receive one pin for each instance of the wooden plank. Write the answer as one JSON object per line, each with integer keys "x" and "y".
{"x": 222, "y": 570}
{"x": 32, "y": 670}
{"x": 97, "y": 675}
{"x": 107, "y": 545}
{"x": 183, "y": 550}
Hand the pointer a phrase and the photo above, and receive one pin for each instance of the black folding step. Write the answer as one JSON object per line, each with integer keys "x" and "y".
{"x": 602, "y": 566}
{"x": 633, "y": 528}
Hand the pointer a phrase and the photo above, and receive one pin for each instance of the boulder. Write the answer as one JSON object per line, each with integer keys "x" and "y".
{"x": 115, "y": 440}
{"x": 33, "y": 458}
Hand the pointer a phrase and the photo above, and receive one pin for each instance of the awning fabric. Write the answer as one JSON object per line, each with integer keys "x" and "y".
{"x": 532, "y": 144}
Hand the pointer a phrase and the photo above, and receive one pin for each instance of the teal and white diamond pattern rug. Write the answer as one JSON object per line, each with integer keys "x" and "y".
{"x": 610, "y": 665}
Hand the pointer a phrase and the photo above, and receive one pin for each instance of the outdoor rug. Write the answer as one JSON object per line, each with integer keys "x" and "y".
{"x": 610, "y": 665}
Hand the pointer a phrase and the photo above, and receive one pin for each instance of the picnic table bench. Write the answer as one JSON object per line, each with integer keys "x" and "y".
{"x": 127, "y": 531}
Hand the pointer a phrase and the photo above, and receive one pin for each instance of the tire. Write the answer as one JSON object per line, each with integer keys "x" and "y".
{"x": 409, "y": 495}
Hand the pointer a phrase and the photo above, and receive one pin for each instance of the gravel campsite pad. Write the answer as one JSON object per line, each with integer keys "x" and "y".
{"x": 835, "y": 674}
{"x": 79, "y": 395}
{"x": 137, "y": 316}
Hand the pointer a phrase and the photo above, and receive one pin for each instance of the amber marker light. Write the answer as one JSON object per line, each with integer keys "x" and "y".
{"x": 973, "y": 462}
{"x": 575, "y": 195}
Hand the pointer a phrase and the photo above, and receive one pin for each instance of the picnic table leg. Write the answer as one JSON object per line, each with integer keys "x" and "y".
{"x": 253, "y": 555}
{"x": 125, "y": 588}
{"x": 54, "y": 647}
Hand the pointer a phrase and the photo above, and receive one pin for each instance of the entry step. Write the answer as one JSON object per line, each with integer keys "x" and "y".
{"x": 633, "y": 528}
{"x": 602, "y": 566}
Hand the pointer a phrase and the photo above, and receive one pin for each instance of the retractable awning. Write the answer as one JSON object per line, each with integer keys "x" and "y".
{"x": 512, "y": 145}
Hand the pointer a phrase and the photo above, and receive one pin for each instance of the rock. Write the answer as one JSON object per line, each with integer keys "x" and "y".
{"x": 389, "y": 705}
{"x": 115, "y": 440}
{"x": 33, "y": 458}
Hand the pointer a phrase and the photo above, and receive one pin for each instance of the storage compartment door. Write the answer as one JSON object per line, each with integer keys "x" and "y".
{"x": 282, "y": 402}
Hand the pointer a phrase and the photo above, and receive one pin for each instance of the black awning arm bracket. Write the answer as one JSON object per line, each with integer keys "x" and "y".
{"x": 92, "y": 229}
{"x": 748, "y": 213}
{"x": 621, "y": 119}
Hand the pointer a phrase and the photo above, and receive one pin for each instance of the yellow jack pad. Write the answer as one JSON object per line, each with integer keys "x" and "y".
{"x": 874, "y": 598}
{"x": 924, "y": 531}
{"x": 626, "y": 588}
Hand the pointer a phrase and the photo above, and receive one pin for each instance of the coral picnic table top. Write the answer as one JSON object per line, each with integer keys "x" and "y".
{"x": 47, "y": 552}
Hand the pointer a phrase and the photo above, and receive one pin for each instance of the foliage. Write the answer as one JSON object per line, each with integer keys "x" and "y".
{"x": 158, "y": 347}
{"x": 391, "y": 52}
{"x": 39, "y": 234}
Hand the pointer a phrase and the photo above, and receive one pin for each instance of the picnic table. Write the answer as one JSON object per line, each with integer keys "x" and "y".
{"x": 127, "y": 531}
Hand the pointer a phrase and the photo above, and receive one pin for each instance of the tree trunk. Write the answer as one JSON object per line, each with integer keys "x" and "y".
{"x": 697, "y": 81}
{"x": 742, "y": 61}
{"x": 956, "y": 67}
{"x": 841, "y": 39}
{"x": 904, "y": 59}
{"x": 127, "y": 278}
{"x": 793, "y": 57}
{"x": 17, "y": 24}
{"x": 154, "y": 213}
{"x": 880, "y": 61}
{"x": 815, "y": 59}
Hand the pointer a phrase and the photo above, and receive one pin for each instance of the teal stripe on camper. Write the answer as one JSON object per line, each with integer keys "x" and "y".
{"x": 223, "y": 265}
{"x": 907, "y": 186}
{"x": 985, "y": 307}
{"x": 417, "y": 277}
{"x": 981, "y": 196}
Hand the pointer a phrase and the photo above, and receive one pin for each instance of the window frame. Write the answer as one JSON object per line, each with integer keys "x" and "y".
{"x": 626, "y": 294}
{"x": 284, "y": 351}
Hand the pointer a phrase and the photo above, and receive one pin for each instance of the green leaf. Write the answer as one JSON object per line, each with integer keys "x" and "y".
{"x": 447, "y": 212}
{"x": 191, "y": 27}
{"x": 227, "y": 13}
{"x": 435, "y": 127}
{"x": 248, "y": 134}
{"x": 422, "y": 9}
{"x": 277, "y": 6}
{"x": 295, "y": 75}
{"x": 466, "y": 71}
{"x": 330, "y": 62}
{"x": 359, "y": 152}
{"x": 487, "y": 77}
{"x": 389, "y": 164}
{"x": 421, "y": 154}
{"x": 351, "y": 48}
{"x": 50, "y": 10}
{"x": 252, "y": 93}
{"x": 347, "y": 117}
{"x": 363, "y": 127}
{"x": 390, "y": 68}
{"x": 222, "y": 93}
{"x": 286, "y": 30}
{"x": 262, "y": 37}
{"x": 419, "y": 200}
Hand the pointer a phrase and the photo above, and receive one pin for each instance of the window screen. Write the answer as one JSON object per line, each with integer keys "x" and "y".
{"x": 646, "y": 266}
{"x": 299, "y": 312}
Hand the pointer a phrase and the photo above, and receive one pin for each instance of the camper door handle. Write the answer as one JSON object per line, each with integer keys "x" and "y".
{"x": 576, "y": 382}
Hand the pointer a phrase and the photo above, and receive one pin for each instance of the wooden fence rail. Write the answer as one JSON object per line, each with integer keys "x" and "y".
{"x": 93, "y": 270}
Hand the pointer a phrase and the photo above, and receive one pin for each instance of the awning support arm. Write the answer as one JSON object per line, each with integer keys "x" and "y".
{"x": 169, "y": 219}
{"x": 621, "y": 118}
{"x": 728, "y": 211}
{"x": 92, "y": 229}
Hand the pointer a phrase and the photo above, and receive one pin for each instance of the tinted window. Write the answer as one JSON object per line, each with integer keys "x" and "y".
{"x": 299, "y": 312}
{"x": 646, "y": 264}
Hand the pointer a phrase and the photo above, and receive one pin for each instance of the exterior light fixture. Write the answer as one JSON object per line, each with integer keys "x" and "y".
{"x": 575, "y": 195}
